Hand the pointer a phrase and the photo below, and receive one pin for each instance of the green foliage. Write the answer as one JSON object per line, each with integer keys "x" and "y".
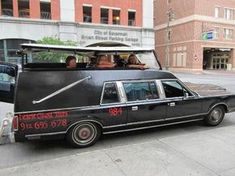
{"x": 56, "y": 41}
{"x": 50, "y": 56}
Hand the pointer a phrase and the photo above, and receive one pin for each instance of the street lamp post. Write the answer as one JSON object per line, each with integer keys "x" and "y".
{"x": 170, "y": 17}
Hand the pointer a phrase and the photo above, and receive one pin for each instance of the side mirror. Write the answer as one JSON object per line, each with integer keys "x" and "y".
{"x": 186, "y": 94}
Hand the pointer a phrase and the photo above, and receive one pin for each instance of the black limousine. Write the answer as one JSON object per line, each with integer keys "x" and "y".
{"x": 82, "y": 103}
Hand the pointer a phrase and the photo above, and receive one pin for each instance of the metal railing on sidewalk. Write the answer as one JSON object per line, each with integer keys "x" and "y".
{"x": 6, "y": 134}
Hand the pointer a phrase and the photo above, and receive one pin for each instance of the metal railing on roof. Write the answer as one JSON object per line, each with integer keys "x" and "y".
{"x": 45, "y": 15}
{"x": 24, "y": 13}
{"x": 7, "y": 12}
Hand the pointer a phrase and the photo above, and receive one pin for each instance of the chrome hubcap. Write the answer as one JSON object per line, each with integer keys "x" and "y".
{"x": 216, "y": 115}
{"x": 84, "y": 134}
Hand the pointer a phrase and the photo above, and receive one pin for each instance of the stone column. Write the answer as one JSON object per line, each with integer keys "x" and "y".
{"x": 67, "y": 10}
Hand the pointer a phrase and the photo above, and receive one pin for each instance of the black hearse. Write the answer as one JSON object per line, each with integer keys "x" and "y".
{"x": 82, "y": 103}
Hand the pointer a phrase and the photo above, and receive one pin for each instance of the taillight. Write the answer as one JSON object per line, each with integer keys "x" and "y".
{"x": 15, "y": 123}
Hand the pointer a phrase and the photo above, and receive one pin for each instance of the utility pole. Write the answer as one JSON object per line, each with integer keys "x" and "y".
{"x": 170, "y": 17}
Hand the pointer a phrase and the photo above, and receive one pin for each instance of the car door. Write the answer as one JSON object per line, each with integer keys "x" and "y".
{"x": 113, "y": 109}
{"x": 181, "y": 102}
{"x": 8, "y": 74}
{"x": 144, "y": 102}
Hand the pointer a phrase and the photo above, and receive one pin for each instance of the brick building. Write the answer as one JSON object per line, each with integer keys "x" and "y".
{"x": 199, "y": 35}
{"x": 86, "y": 22}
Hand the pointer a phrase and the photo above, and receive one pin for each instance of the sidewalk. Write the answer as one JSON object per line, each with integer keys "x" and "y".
{"x": 208, "y": 152}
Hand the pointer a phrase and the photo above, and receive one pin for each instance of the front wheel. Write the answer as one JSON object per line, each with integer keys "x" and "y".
{"x": 215, "y": 116}
{"x": 83, "y": 134}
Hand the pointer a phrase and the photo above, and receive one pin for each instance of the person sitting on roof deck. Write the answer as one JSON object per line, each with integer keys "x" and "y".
{"x": 71, "y": 62}
{"x": 134, "y": 63}
{"x": 104, "y": 62}
{"x": 120, "y": 62}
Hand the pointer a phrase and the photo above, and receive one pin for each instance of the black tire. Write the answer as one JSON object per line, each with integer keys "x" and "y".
{"x": 215, "y": 117}
{"x": 83, "y": 134}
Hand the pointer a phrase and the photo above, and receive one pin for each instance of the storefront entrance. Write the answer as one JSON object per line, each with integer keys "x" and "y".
{"x": 216, "y": 59}
{"x": 219, "y": 61}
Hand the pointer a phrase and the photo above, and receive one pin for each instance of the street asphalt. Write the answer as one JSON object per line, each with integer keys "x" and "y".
{"x": 181, "y": 150}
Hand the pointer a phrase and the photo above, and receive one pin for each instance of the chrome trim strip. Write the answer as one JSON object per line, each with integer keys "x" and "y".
{"x": 194, "y": 115}
{"x": 161, "y": 89}
{"x": 141, "y": 128}
{"x": 121, "y": 92}
{"x": 61, "y": 109}
{"x": 44, "y": 134}
{"x": 60, "y": 90}
{"x": 152, "y": 121}
{"x": 110, "y": 132}
{"x": 81, "y": 108}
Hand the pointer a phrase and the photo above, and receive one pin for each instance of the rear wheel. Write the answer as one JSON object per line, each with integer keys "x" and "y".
{"x": 215, "y": 116}
{"x": 83, "y": 134}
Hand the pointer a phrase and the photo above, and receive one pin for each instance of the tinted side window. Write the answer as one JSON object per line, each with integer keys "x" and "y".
{"x": 110, "y": 94}
{"x": 140, "y": 91}
{"x": 173, "y": 89}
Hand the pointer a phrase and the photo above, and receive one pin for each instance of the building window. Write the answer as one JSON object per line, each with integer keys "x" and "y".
{"x": 229, "y": 14}
{"x": 216, "y": 32}
{"x": 217, "y": 10}
{"x": 180, "y": 56}
{"x": 45, "y": 9}
{"x": 131, "y": 18}
{"x": 116, "y": 17}
{"x": 228, "y": 34}
{"x": 7, "y": 7}
{"x": 87, "y": 14}
{"x": 137, "y": 91}
{"x": 104, "y": 16}
{"x": 23, "y": 6}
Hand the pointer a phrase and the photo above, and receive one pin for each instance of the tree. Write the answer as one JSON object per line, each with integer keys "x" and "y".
{"x": 50, "y": 56}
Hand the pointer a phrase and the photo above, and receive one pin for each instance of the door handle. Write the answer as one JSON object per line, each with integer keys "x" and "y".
{"x": 134, "y": 108}
{"x": 171, "y": 104}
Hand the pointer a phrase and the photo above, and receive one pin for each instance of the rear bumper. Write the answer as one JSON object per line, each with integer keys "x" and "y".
{"x": 24, "y": 137}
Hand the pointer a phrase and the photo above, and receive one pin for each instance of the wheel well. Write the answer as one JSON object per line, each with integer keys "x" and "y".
{"x": 91, "y": 121}
{"x": 223, "y": 105}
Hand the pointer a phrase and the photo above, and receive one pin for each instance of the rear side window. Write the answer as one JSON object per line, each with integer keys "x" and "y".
{"x": 110, "y": 94}
{"x": 173, "y": 89}
{"x": 136, "y": 91}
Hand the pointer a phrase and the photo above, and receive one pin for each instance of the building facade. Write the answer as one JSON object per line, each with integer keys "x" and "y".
{"x": 86, "y": 22}
{"x": 195, "y": 34}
